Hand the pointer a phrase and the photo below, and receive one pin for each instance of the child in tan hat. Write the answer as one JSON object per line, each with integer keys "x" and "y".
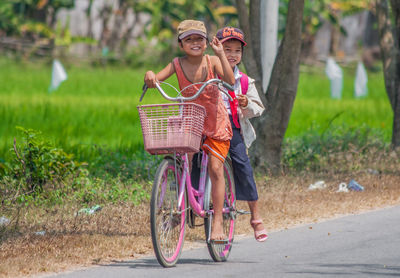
{"x": 196, "y": 67}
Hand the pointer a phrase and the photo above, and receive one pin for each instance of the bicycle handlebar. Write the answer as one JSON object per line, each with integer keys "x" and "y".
{"x": 182, "y": 98}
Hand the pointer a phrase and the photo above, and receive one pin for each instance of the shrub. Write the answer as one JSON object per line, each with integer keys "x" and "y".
{"x": 38, "y": 162}
{"x": 315, "y": 151}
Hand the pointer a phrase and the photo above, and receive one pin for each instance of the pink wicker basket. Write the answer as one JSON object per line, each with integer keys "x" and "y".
{"x": 174, "y": 127}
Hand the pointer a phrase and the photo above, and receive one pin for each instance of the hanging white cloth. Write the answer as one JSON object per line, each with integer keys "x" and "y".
{"x": 335, "y": 75}
{"x": 360, "y": 82}
{"x": 58, "y": 75}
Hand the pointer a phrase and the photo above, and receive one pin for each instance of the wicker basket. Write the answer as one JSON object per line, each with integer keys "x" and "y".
{"x": 174, "y": 127}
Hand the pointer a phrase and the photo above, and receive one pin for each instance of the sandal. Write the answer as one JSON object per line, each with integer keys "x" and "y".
{"x": 261, "y": 235}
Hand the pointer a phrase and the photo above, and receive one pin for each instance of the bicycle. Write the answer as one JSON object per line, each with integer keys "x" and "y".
{"x": 175, "y": 130}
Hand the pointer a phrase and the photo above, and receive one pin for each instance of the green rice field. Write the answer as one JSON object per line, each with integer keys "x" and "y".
{"x": 96, "y": 106}
{"x": 315, "y": 109}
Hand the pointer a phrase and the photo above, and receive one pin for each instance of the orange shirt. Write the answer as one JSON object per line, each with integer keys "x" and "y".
{"x": 217, "y": 124}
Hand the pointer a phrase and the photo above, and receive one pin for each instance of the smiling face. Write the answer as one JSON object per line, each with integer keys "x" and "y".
{"x": 233, "y": 52}
{"x": 194, "y": 45}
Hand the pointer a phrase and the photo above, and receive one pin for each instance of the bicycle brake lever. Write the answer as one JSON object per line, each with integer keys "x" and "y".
{"x": 144, "y": 89}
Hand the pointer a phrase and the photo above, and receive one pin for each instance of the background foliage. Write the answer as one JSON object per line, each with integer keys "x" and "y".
{"x": 90, "y": 141}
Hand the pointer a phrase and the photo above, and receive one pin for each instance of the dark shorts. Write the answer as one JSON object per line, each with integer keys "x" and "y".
{"x": 245, "y": 185}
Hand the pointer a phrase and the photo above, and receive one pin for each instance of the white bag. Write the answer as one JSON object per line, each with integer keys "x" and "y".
{"x": 58, "y": 75}
{"x": 360, "y": 83}
{"x": 335, "y": 75}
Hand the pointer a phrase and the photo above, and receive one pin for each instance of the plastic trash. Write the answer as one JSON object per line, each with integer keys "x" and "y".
{"x": 372, "y": 171}
{"x": 4, "y": 220}
{"x": 335, "y": 75}
{"x": 40, "y": 233}
{"x": 317, "y": 185}
{"x": 355, "y": 186}
{"x": 89, "y": 211}
{"x": 58, "y": 75}
{"x": 360, "y": 82}
{"x": 343, "y": 187}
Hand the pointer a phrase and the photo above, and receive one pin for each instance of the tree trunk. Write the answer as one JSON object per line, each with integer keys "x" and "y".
{"x": 282, "y": 89}
{"x": 389, "y": 43}
{"x": 250, "y": 59}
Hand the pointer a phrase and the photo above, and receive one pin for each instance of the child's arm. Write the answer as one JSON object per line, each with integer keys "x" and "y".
{"x": 150, "y": 78}
{"x": 220, "y": 63}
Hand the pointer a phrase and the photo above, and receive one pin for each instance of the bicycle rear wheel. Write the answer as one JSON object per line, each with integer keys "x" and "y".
{"x": 167, "y": 220}
{"x": 220, "y": 252}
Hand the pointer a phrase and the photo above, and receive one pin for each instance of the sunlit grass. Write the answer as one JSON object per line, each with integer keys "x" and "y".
{"x": 97, "y": 106}
{"x": 315, "y": 109}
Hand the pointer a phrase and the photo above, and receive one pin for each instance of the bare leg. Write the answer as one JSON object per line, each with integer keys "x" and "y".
{"x": 190, "y": 158}
{"x": 255, "y": 215}
{"x": 216, "y": 170}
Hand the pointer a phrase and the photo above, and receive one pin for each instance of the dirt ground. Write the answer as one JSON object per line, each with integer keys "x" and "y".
{"x": 121, "y": 232}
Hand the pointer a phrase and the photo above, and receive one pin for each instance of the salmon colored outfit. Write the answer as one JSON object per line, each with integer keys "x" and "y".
{"x": 217, "y": 126}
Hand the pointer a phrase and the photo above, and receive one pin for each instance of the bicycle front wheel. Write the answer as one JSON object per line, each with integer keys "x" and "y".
{"x": 167, "y": 220}
{"x": 220, "y": 252}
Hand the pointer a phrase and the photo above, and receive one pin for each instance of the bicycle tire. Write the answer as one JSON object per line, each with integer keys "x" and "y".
{"x": 167, "y": 221}
{"x": 220, "y": 252}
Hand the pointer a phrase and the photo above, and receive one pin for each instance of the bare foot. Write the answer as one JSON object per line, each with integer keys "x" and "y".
{"x": 217, "y": 231}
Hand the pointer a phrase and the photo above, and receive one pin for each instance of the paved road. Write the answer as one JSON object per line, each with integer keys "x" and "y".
{"x": 365, "y": 245}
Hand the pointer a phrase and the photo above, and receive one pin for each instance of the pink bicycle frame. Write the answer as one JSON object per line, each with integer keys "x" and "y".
{"x": 195, "y": 204}
{"x": 195, "y": 196}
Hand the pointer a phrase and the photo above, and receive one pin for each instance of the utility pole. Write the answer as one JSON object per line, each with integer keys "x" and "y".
{"x": 269, "y": 38}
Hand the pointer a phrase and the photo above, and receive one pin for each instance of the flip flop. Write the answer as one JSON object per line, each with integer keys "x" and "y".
{"x": 261, "y": 235}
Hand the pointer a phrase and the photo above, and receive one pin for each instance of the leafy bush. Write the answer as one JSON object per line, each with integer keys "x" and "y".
{"x": 315, "y": 151}
{"x": 44, "y": 175}
{"x": 38, "y": 162}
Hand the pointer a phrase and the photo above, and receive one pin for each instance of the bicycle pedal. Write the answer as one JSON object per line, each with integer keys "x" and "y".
{"x": 241, "y": 211}
{"x": 219, "y": 241}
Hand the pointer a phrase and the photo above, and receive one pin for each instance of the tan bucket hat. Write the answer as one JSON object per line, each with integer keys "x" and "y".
{"x": 190, "y": 27}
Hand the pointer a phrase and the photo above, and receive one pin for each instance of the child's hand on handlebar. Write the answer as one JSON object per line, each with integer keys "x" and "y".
{"x": 150, "y": 79}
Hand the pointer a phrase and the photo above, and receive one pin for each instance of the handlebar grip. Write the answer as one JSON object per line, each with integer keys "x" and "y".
{"x": 144, "y": 89}
{"x": 227, "y": 86}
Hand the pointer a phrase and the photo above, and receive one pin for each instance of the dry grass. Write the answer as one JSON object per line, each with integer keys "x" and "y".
{"x": 122, "y": 232}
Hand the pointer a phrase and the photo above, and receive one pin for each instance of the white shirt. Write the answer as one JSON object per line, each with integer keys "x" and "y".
{"x": 254, "y": 108}
{"x": 236, "y": 87}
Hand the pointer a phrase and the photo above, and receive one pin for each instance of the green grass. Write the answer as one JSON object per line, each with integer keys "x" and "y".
{"x": 96, "y": 107}
{"x": 315, "y": 109}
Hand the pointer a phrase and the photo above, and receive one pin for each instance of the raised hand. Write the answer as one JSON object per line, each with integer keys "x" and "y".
{"x": 216, "y": 45}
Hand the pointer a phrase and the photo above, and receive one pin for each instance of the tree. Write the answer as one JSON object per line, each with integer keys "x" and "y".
{"x": 282, "y": 89}
{"x": 390, "y": 51}
{"x": 32, "y": 16}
